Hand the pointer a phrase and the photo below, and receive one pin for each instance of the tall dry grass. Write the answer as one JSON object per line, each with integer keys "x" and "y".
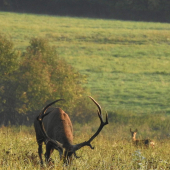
{"x": 112, "y": 151}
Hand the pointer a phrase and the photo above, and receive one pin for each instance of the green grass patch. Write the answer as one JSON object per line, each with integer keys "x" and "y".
{"x": 127, "y": 63}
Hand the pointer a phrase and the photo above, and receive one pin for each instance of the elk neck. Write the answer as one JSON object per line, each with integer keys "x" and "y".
{"x": 134, "y": 137}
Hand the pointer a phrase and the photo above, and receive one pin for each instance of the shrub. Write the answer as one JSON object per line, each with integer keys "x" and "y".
{"x": 41, "y": 78}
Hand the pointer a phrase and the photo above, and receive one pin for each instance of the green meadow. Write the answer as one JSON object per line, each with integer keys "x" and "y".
{"x": 127, "y": 63}
{"x": 127, "y": 67}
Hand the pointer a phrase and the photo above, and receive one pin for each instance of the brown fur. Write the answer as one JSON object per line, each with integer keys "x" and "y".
{"x": 143, "y": 142}
{"x": 54, "y": 128}
{"x": 58, "y": 127}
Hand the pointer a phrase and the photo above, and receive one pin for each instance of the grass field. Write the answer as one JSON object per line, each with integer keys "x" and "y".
{"x": 127, "y": 63}
{"x": 128, "y": 69}
{"x": 112, "y": 152}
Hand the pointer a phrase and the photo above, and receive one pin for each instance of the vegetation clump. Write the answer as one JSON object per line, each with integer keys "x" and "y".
{"x": 35, "y": 77}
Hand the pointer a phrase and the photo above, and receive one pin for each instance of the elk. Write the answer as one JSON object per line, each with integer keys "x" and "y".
{"x": 54, "y": 128}
{"x": 142, "y": 142}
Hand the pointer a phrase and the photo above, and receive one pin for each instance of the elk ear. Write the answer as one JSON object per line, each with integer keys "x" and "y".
{"x": 136, "y": 130}
{"x": 130, "y": 130}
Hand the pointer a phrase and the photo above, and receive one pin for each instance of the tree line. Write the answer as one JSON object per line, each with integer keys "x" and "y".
{"x": 151, "y": 10}
{"x": 31, "y": 79}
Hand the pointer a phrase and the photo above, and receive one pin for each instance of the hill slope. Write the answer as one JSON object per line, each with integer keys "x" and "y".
{"x": 127, "y": 63}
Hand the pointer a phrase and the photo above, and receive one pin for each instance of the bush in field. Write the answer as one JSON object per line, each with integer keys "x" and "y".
{"x": 8, "y": 57}
{"x": 9, "y": 63}
{"x": 46, "y": 77}
{"x": 41, "y": 77}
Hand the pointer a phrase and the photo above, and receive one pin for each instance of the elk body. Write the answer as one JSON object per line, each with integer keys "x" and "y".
{"x": 54, "y": 128}
{"x": 143, "y": 142}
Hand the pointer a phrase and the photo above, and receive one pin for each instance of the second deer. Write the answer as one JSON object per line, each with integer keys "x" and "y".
{"x": 141, "y": 142}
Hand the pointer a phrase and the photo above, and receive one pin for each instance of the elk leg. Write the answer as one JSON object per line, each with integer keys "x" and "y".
{"x": 49, "y": 151}
{"x": 67, "y": 157}
{"x": 61, "y": 154}
{"x": 40, "y": 152}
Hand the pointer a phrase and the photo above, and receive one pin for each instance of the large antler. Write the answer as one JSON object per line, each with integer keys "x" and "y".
{"x": 57, "y": 145}
{"x": 102, "y": 124}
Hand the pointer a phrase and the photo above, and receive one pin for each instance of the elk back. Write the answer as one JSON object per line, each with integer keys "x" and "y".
{"x": 58, "y": 127}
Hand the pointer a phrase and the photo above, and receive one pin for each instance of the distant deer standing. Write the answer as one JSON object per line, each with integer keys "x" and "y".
{"x": 54, "y": 128}
{"x": 143, "y": 142}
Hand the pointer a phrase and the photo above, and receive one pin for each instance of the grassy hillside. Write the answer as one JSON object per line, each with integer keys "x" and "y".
{"x": 127, "y": 66}
{"x": 127, "y": 63}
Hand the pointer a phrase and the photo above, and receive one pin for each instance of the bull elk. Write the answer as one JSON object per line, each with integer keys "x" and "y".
{"x": 142, "y": 142}
{"x": 54, "y": 128}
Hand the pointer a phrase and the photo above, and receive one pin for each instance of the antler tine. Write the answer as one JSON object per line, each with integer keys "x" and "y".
{"x": 100, "y": 116}
{"x": 99, "y": 111}
{"x": 44, "y": 110}
{"x": 102, "y": 124}
{"x": 101, "y": 120}
{"x": 97, "y": 104}
{"x": 40, "y": 118}
{"x": 107, "y": 119}
{"x": 76, "y": 155}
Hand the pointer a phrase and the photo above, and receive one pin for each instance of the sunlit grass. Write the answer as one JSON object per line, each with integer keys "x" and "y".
{"x": 127, "y": 66}
{"x": 112, "y": 151}
{"x": 127, "y": 63}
